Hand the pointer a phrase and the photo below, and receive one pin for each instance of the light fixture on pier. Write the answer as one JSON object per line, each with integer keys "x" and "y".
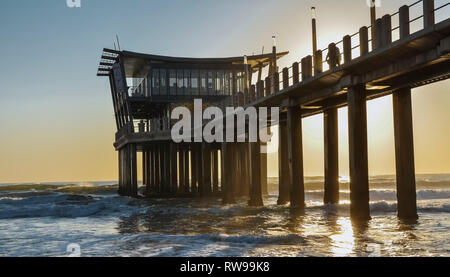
{"x": 274, "y": 41}
{"x": 245, "y": 60}
{"x": 314, "y": 30}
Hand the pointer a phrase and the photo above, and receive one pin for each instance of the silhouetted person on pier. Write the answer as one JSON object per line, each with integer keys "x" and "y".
{"x": 336, "y": 60}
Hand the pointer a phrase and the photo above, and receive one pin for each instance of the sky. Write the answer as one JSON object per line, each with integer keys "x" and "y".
{"x": 56, "y": 116}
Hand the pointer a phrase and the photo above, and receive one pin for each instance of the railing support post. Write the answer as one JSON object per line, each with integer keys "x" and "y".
{"x": 377, "y": 39}
{"x": 295, "y": 73}
{"x": 404, "y": 21}
{"x": 363, "y": 41}
{"x": 318, "y": 62}
{"x": 428, "y": 13}
{"x": 285, "y": 78}
{"x": 347, "y": 45}
{"x": 386, "y": 26}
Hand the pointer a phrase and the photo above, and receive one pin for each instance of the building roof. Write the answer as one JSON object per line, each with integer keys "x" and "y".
{"x": 134, "y": 61}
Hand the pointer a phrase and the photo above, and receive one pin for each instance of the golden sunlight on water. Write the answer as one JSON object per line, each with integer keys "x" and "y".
{"x": 342, "y": 240}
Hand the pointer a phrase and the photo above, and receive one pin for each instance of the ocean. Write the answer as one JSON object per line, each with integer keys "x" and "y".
{"x": 90, "y": 219}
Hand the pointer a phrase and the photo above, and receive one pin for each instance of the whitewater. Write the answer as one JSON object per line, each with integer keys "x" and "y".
{"x": 43, "y": 219}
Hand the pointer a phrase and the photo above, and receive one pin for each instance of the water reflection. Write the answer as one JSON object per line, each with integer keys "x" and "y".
{"x": 267, "y": 231}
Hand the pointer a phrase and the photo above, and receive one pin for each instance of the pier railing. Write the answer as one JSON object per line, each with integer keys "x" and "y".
{"x": 351, "y": 47}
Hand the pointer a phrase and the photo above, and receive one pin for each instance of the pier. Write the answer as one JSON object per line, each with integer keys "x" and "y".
{"x": 386, "y": 58}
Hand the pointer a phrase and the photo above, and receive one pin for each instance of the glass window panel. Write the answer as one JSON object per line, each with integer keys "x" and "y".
{"x": 194, "y": 82}
{"x": 180, "y": 82}
{"x": 226, "y": 85}
{"x": 155, "y": 81}
{"x": 210, "y": 82}
{"x": 162, "y": 82}
{"x": 187, "y": 82}
{"x": 173, "y": 82}
{"x": 219, "y": 82}
{"x": 203, "y": 88}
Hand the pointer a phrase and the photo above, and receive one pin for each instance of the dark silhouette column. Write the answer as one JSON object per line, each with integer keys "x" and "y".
{"x": 404, "y": 154}
{"x": 206, "y": 164}
{"x": 173, "y": 168}
{"x": 186, "y": 171}
{"x": 330, "y": 125}
{"x": 194, "y": 168}
{"x": 295, "y": 152}
{"x": 256, "y": 184}
{"x": 264, "y": 172}
{"x": 181, "y": 184}
{"x": 215, "y": 170}
{"x": 227, "y": 187}
{"x": 283, "y": 164}
{"x": 359, "y": 172}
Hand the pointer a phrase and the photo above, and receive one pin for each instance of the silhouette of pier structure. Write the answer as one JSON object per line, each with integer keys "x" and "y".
{"x": 386, "y": 58}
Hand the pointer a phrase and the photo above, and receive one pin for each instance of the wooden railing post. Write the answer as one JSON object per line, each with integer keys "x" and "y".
{"x": 306, "y": 68}
{"x": 428, "y": 13}
{"x": 268, "y": 86}
{"x": 285, "y": 78}
{"x": 404, "y": 21}
{"x": 347, "y": 42}
{"x": 295, "y": 73}
{"x": 363, "y": 41}
{"x": 377, "y": 32}
{"x": 276, "y": 82}
{"x": 252, "y": 93}
{"x": 386, "y": 26}
{"x": 318, "y": 62}
{"x": 260, "y": 89}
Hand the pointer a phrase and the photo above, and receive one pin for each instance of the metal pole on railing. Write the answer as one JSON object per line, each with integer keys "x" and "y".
{"x": 314, "y": 30}
{"x": 373, "y": 18}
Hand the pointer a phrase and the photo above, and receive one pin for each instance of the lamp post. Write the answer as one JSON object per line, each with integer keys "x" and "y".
{"x": 314, "y": 30}
{"x": 373, "y": 18}
{"x": 274, "y": 55}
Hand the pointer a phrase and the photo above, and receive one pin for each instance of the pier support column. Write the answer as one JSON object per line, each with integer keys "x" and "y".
{"x": 173, "y": 168}
{"x": 194, "y": 168}
{"x": 227, "y": 186}
{"x": 265, "y": 190}
{"x": 215, "y": 170}
{"x": 256, "y": 185}
{"x": 236, "y": 183}
{"x": 295, "y": 152}
{"x": 120, "y": 162}
{"x": 330, "y": 125}
{"x": 151, "y": 170}
{"x": 129, "y": 187}
{"x": 181, "y": 179}
{"x": 144, "y": 168}
{"x": 404, "y": 154}
{"x": 167, "y": 166}
{"x": 157, "y": 184}
{"x": 162, "y": 164}
{"x": 206, "y": 165}
{"x": 283, "y": 164}
{"x": 357, "y": 136}
{"x": 186, "y": 171}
